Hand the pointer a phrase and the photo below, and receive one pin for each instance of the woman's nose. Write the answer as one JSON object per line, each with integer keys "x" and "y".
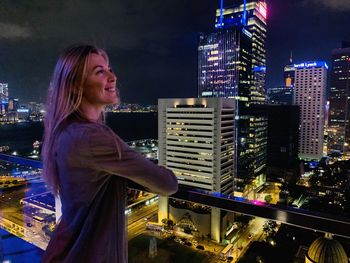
{"x": 112, "y": 77}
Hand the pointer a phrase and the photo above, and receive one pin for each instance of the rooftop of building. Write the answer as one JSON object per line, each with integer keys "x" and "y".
{"x": 326, "y": 250}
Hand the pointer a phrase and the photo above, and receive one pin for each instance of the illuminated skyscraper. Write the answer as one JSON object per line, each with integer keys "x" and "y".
{"x": 309, "y": 94}
{"x": 231, "y": 63}
{"x": 252, "y": 15}
{"x": 196, "y": 141}
{"x": 339, "y": 121}
{"x": 224, "y": 64}
{"x": 224, "y": 70}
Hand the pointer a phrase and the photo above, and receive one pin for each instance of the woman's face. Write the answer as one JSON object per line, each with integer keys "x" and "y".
{"x": 100, "y": 85}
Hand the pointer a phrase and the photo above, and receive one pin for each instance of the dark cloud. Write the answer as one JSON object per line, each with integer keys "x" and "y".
{"x": 13, "y": 31}
{"x": 152, "y": 44}
{"x": 335, "y": 5}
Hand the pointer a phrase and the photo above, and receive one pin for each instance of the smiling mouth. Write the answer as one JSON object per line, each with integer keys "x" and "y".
{"x": 110, "y": 89}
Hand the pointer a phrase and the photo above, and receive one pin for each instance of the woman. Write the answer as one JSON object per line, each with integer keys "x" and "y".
{"x": 87, "y": 165}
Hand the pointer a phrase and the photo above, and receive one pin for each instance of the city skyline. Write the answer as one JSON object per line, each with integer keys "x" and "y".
{"x": 153, "y": 56}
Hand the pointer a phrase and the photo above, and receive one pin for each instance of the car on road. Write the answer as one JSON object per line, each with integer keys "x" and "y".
{"x": 200, "y": 247}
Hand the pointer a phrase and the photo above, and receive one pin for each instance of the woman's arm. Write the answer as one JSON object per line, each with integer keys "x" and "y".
{"x": 102, "y": 143}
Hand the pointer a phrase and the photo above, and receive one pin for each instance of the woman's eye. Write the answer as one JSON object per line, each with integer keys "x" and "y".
{"x": 99, "y": 72}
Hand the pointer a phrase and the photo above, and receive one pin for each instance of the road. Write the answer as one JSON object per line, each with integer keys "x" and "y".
{"x": 253, "y": 232}
{"x": 137, "y": 220}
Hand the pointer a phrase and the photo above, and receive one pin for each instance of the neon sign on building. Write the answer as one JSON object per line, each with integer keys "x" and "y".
{"x": 311, "y": 64}
{"x": 262, "y": 9}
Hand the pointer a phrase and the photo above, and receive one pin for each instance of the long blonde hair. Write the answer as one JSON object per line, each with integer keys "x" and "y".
{"x": 64, "y": 98}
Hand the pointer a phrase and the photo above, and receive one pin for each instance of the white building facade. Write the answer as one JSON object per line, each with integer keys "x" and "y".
{"x": 197, "y": 142}
{"x": 310, "y": 96}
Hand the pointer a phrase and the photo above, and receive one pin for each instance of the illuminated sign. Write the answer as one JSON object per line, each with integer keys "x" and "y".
{"x": 262, "y": 9}
{"x": 311, "y": 64}
{"x": 23, "y": 110}
{"x": 207, "y": 93}
{"x": 258, "y": 69}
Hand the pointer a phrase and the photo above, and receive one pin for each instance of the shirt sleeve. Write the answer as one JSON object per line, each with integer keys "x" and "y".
{"x": 127, "y": 163}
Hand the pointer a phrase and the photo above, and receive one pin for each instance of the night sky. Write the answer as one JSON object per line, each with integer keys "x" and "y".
{"x": 152, "y": 44}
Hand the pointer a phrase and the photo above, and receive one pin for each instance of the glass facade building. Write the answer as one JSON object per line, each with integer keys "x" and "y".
{"x": 339, "y": 121}
{"x": 231, "y": 63}
{"x": 224, "y": 70}
{"x": 252, "y": 15}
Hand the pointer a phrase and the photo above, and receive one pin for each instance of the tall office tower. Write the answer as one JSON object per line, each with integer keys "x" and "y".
{"x": 224, "y": 64}
{"x": 309, "y": 94}
{"x": 224, "y": 70}
{"x": 229, "y": 68}
{"x": 196, "y": 141}
{"x": 339, "y": 121}
{"x": 252, "y": 15}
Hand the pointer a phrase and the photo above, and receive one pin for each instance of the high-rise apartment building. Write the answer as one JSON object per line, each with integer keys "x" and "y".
{"x": 309, "y": 95}
{"x": 197, "y": 142}
{"x": 252, "y": 15}
{"x": 339, "y": 121}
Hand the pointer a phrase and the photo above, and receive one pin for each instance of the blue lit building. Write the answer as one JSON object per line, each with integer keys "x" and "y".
{"x": 252, "y": 134}
{"x": 228, "y": 68}
{"x": 224, "y": 64}
{"x": 252, "y": 15}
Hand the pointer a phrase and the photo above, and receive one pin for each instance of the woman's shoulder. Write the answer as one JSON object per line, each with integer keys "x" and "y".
{"x": 82, "y": 131}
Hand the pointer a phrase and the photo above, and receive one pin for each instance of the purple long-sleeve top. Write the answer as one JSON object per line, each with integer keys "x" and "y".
{"x": 92, "y": 178}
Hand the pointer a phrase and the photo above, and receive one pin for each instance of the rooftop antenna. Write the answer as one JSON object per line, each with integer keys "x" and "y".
{"x": 221, "y": 23}
{"x": 291, "y": 57}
